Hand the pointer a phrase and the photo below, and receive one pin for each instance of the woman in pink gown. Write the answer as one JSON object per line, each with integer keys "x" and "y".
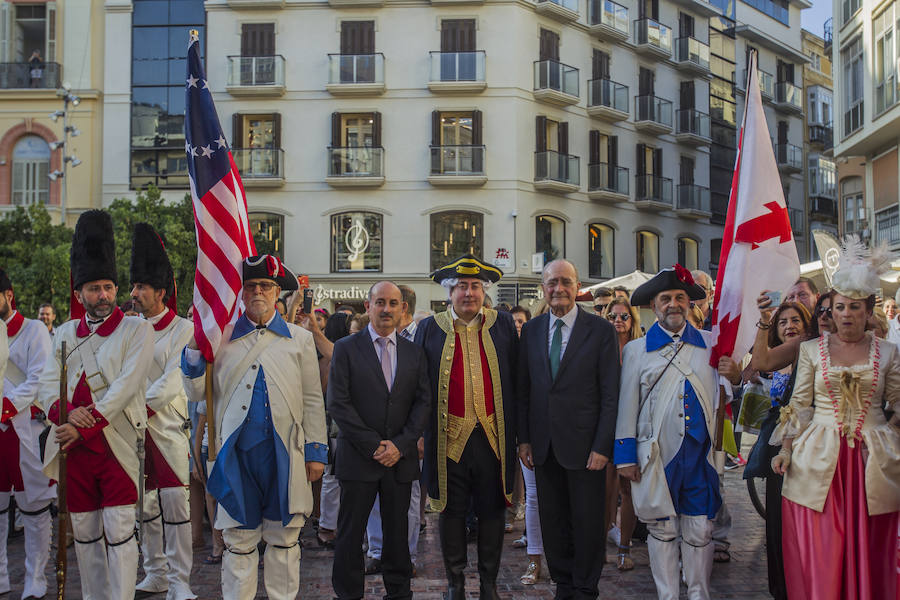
{"x": 840, "y": 455}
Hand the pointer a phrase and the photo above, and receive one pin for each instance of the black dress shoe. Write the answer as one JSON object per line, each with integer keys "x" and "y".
{"x": 373, "y": 566}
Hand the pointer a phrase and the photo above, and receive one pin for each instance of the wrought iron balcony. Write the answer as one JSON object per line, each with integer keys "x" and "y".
{"x": 607, "y": 100}
{"x": 788, "y": 97}
{"x": 652, "y": 114}
{"x": 556, "y": 172}
{"x": 652, "y": 38}
{"x": 355, "y": 166}
{"x": 457, "y": 71}
{"x": 608, "y": 20}
{"x": 607, "y": 182}
{"x": 15, "y": 76}
{"x": 692, "y": 127}
{"x": 356, "y": 74}
{"x": 555, "y": 82}
{"x": 652, "y": 192}
{"x": 260, "y": 166}
{"x": 692, "y": 54}
{"x": 789, "y": 158}
{"x": 693, "y": 201}
{"x": 821, "y": 134}
{"x": 457, "y": 165}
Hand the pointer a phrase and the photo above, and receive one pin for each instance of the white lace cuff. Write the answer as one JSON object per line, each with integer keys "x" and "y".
{"x": 791, "y": 423}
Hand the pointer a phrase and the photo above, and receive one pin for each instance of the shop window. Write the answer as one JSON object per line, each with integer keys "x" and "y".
{"x": 550, "y": 237}
{"x": 601, "y": 251}
{"x": 647, "y": 252}
{"x": 356, "y": 239}
{"x": 454, "y": 233}
{"x": 268, "y": 233}
{"x": 688, "y": 253}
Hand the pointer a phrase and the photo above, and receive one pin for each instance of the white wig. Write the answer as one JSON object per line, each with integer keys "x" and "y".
{"x": 451, "y": 282}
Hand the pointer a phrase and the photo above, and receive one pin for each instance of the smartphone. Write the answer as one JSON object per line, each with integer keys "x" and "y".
{"x": 775, "y": 297}
{"x": 307, "y": 300}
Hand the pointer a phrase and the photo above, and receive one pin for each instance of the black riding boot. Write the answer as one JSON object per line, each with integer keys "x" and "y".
{"x": 453, "y": 547}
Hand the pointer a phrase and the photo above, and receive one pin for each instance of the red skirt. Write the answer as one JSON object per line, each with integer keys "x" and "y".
{"x": 841, "y": 553}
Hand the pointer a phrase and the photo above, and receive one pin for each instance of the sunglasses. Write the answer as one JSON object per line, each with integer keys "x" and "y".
{"x": 823, "y": 311}
{"x": 616, "y": 316}
{"x": 599, "y": 308}
{"x": 262, "y": 285}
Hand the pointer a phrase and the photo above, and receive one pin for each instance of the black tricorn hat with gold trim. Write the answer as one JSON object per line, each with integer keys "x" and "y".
{"x": 467, "y": 266}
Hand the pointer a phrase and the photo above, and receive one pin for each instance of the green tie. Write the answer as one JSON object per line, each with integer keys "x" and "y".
{"x": 556, "y": 348}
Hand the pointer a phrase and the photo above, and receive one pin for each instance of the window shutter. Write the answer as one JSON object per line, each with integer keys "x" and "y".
{"x": 258, "y": 39}
{"x": 435, "y": 128}
{"x": 5, "y": 29}
{"x": 685, "y": 25}
{"x": 641, "y": 161}
{"x": 50, "y": 53}
{"x": 687, "y": 94}
{"x": 645, "y": 82}
{"x": 654, "y": 10}
{"x": 657, "y": 162}
{"x": 563, "y": 138}
{"x": 276, "y": 130}
{"x": 642, "y": 9}
{"x": 541, "y": 134}
{"x": 600, "y": 65}
{"x": 336, "y": 141}
{"x": 782, "y": 132}
{"x": 593, "y": 147}
{"x": 549, "y": 49}
{"x": 367, "y": 38}
{"x": 612, "y": 150}
{"x": 467, "y": 35}
{"x": 376, "y": 130}
{"x": 357, "y": 37}
{"x": 789, "y": 72}
{"x": 477, "y": 135}
{"x": 449, "y": 35}
{"x": 687, "y": 170}
{"x": 237, "y": 130}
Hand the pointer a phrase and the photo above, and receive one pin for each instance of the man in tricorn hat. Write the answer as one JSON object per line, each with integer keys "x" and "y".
{"x": 665, "y": 430}
{"x": 167, "y": 559}
{"x": 470, "y": 443}
{"x": 108, "y": 359}
{"x": 269, "y": 421}
{"x": 21, "y": 424}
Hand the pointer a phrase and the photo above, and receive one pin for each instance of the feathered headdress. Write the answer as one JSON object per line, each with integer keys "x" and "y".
{"x": 859, "y": 270}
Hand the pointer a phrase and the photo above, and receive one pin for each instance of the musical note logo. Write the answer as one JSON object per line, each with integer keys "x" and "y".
{"x": 356, "y": 240}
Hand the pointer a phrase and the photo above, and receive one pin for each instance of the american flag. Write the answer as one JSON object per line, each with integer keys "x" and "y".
{"x": 220, "y": 210}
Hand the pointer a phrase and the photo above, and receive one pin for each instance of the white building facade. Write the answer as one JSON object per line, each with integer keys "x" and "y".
{"x": 380, "y": 140}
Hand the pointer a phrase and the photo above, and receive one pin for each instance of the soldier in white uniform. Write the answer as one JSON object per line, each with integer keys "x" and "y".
{"x": 21, "y": 424}
{"x": 109, "y": 359}
{"x": 270, "y": 434}
{"x": 167, "y": 559}
{"x": 665, "y": 430}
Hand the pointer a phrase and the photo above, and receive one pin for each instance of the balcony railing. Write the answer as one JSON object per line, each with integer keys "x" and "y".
{"x": 608, "y": 93}
{"x": 821, "y": 134}
{"x": 553, "y": 166}
{"x": 654, "y": 34}
{"x": 609, "y": 14}
{"x": 356, "y": 161}
{"x": 690, "y": 121}
{"x": 457, "y": 66}
{"x": 355, "y": 68}
{"x": 789, "y": 156}
{"x": 553, "y": 75}
{"x": 259, "y": 163}
{"x": 692, "y": 51}
{"x": 766, "y": 82}
{"x": 693, "y": 198}
{"x": 567, "y": 4}
{"x": 250, "y": 71}
{"x": 653, "y": 108}
{"x": 653, "y": 189}
{"x": 457, "y": 160}
{"x": 788, "y": 94}
{"x": 23, "y": 76}
{"x": 608, "y": 178}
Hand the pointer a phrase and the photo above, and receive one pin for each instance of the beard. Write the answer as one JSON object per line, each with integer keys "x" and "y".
{"x": 100, "y": 310}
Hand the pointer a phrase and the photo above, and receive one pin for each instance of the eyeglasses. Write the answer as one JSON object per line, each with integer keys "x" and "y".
{"x": 599, "y": 308}
{"x": 264, "y": 286}
{"x": 617, "y": 316}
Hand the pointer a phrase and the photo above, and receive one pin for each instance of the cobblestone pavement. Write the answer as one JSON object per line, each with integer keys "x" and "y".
{"x": 743, "y": 578}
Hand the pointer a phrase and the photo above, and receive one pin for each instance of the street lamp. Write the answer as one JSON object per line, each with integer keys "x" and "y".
{"x": 68, "y": 130}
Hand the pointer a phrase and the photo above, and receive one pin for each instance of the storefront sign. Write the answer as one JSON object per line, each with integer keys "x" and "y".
{"x": 353, "y": 292}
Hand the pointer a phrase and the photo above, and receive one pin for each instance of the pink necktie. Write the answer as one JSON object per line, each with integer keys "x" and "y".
{"x": 386, "y": 368}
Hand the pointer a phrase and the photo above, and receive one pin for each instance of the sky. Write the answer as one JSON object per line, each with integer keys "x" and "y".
{"x": 813, "y": 19}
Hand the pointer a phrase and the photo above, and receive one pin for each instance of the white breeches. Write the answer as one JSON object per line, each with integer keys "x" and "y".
{"x": 167, "y": 564}
{"x": 241, "y": 561}
{"x": 695, "y": 533}
{"x": 37, "y": 543}
{"x": 109, "y": 570}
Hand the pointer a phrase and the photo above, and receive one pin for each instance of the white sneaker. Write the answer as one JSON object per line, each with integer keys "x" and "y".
{"x": 614, "y": 535}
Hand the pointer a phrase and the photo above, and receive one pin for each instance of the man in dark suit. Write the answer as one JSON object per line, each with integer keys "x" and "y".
{"x": 470, "y": 448}
{"x": 379, "y": 395}
{"x": 568, "y": 391}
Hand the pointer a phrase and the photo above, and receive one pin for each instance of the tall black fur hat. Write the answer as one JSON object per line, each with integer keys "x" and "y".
{"x": 149, "y": 262}
{"x": 93, "y": 253}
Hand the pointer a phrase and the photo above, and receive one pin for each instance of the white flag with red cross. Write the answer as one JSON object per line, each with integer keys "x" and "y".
{"x": 758, "y": 250}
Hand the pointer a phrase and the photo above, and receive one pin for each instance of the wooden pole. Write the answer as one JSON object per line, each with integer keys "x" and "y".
{"x": 720, "y": 419}
{"x": 210, "y": 413}
{"x": 62, "y": 533}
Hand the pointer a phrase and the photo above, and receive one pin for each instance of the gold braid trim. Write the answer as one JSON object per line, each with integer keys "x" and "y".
{"x": 445, "y": 322}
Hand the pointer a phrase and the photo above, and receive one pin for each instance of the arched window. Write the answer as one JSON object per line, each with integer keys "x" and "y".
{"x": 31, "y": 166}
{"x": 356, "y": 242}
{"x": 601, "y": 251}
{"x": 454, "y": 233}
{"x": 550, "y": 237}
{"x": 647, "y": 252}
{"x": 688, "y": 253}
{"x": 268, "y": 233}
